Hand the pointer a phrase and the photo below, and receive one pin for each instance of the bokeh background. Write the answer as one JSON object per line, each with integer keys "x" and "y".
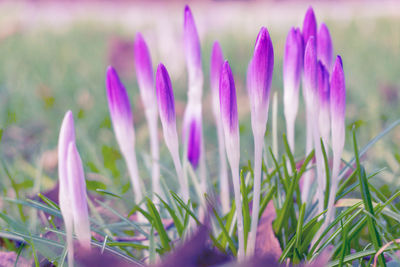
{"x": 54, "y": 54}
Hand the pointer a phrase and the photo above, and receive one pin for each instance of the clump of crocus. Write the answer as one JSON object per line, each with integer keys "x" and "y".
{"x": 166, "y": 109}
{"x": 217, "y": 60}
{"x": 230, "y": 125}
{"x": 324, "y": 47}
{"x": 192, "y": 121}
{"x": 122, "y": 121}
{"x": 292, "y": 68}
{"x": 338, "y": 110}
{"x": 145, "y": 77}
{"x": 259, "y": 84}
{"x": 72, "y": 192}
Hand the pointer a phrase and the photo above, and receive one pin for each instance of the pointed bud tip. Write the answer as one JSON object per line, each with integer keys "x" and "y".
{"x": 165, "y": 95}
{"x": 309, "y": 25}
{"x": 228, "y": 102}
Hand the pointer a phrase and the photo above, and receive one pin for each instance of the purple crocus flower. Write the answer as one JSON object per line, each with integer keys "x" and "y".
{"x": 338, "y": 106}
{"x": 67, "y": 135}
{"x": 259, "y": 84}
{"x": 309, "y": 25}
{"x": 122, "y": 121}
{"x": 193, "y": 109}
{"x": 230, "y": 124}
{"x": 309, "y": 30}
{"x": 120, "y": 109}
{"x": 259, "y": 81}
{"x": 292, "y": 68}
{"x": 338, "y": 110}
{"x": 324, "y": 104}
{"x": 217, "y": 60}
{"x": 312, "y": 110}
{"x": 165, "y": 98}
{"x": 310, "y": 73}
{"x": 166, "y": 109}
{"x": 228, "y": 105}
{"x": 324, "y": 47}
{"x": 192, "y": 46}
{"x": 72, "y": 194}
{"x": 77, "y": 195}
{"x": 144, "y": 73}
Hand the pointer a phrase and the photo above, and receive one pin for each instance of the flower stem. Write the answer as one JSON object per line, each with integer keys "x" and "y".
{"x": 258, "y": 145}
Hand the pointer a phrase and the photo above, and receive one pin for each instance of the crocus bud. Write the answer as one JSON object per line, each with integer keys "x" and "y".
{"x": 292, "y": 68}
{"x": 122, "y": 120}
{"x": 166, "y": 109}
{"x": 259, "y": 81}
{"x": 77, "y": 195}
{"x": 338, "y": 110}
{"x": 67, "y": 135}
{"x": 165, "y": 100}
{"x": 217, "y": 60}
{"x": 229, "y": 114}
{"x": 338, "y": 106}
{"x": 309, "y": 25}
{"x": 120, "y": 110}
{"x": 310, "y": 73}
{"x": 72, "y": 194}
{"x": 192, "y": 47}
{"x": 324, "y": 105}
{"x": 144, "y": 72}
{"x": 259, "y": 77}
{"x": 230, "y": 124}
{"x": 324, "y": 47}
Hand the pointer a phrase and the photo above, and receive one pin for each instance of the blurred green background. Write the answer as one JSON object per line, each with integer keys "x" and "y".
{"x": 47, "y": 68}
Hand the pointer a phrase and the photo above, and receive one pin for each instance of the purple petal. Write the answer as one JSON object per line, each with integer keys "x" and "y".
{"x": 118, "y": 100}
{"x": 324, "y": 104}
{"x": 144, "y": 69}
{"x": 310, "y": 70}
{"x": 323, "y": 84}
{"x": 194, "y": 146}
{"x": 293, "y": 60}
{"x": 309, "y": 25}
{"x": 217, "y": 60}
{"x": 191, "y": 43}
{"x": 338, "y": 104}
{"x": 165, "y": 96}
{"x": 324, "y": 46}
{"x": 67, "y": 135}
{"x": 77, "y": 195}
{"x": 338, "y": 90}
{"x": 227, "y": 96}
{"x": 261, "y": 69}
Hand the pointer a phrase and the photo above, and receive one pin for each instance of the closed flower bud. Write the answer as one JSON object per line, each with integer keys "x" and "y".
{"x": 192, "y": 47}
{"x": 324, "y": 47}
{"x": 309, "y": 25}
{"x": 292, "y": 69}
